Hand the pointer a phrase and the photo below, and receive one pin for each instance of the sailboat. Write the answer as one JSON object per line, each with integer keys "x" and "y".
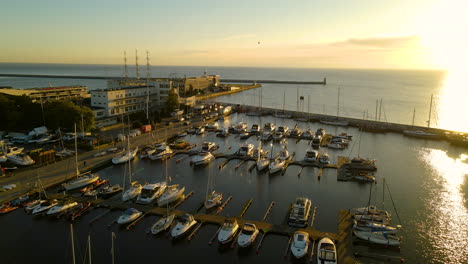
{"x": 128, "y": 155}
{"x": 166, "y": 221}
{"x": 283, "y": 114}
{"x": 421, "y": 133}
{"x": 83, "y": 179}
{"x": 152, "y": 191}
{"x": 135, "y": 188}
{"x": 262, "y": 161}
{"x": 276, "y": 164}
{"x": 64, "y": 152}
{"x": 336, "y": 122}
{"x": 213, "y": 198}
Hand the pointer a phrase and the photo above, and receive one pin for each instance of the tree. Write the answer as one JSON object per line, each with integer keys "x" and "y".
{"x": 172, "y": 101}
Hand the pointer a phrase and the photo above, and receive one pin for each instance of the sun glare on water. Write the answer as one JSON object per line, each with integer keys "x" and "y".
{"x": 442, "y": 31}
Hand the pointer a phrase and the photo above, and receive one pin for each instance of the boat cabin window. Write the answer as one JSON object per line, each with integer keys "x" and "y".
{"x": 327, "y": 255}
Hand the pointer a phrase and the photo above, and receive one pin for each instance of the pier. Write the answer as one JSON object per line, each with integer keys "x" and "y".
{"x": 324, "y": 82}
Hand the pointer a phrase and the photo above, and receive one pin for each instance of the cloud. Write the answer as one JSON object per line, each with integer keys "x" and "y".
{"x": 236, "y": 37}
{"x": 380, "y": 42}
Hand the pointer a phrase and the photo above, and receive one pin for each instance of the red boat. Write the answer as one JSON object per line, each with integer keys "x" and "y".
{"x": 84, "y": 207}
{"x": 6, "y": 208}
{"x": 94, "y": 185}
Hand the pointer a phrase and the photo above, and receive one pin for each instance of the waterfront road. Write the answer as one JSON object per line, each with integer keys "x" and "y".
{"x": 27, "y": 179}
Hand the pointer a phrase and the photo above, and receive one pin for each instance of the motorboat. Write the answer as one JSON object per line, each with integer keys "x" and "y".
{"x": 368, "y": 226}
{"x": 255, "y": 129}
{"x": 370, "y": 210}
{"x": 209, "y": 146}
{"x": 64, "y": 153}
{"x": 320, "y": 132}
{"x": 240, "y": 127}
{"x": 200, "y": 130}
{"x": 20, "y": 159}
{"x": 147, "y": 152}
{"x": 228, "y": 231}
{"x": 33, "y": 205}
{"x": 172, "y": 194}
{"x": 246, "y": 149}
{"x": 363, "y": 176}
{"x": 132, "y": 192}
{"x": 277, "y": 136}
{"x": 161, "y": 153}
{"x": 266, "y": 136}
{"x": 80, "y": 181}
{"x": 335, "y": 145}
{"x": 311, "y": 155}
{"x": 308, "y": 134}
{"x": 284, "y": 154}
{"x": 125, "y": 157}
{"x": 300, "y": 212}
{"x": 382, "y": 238}
{"x": 81, "y": 208}
{"x": 60, "y": 208}
{"x": 223, "y": 133}
{"x": 340, "y": 140}
{"x": 324, "y": 158}
{"x": 283, "y": 130}
{"x": 184, "y": 224}
{"x": 213, "y": 199}
{"x": 296, "y": 132}
{"x": 361, "y": 164}
{"x": 6, "y": 208}
{"x": 107, "y": 191}
{"x": 269, "y": 128}
{"x": 162, "y": 224}
{"x": 245, "y": 135}
{"x": 262, "y": 163}
{"x": 45, "y": 206}
{"x": 420, "y": 134}
{"x": 130, "y": 215}
{"x": 300, "y": 244}
{"x": 212, "y": 127}
{"x": 192, "y": 131}
{"x": 276, "y": 165}
{"x": 151, "y": 192}
{"x": 248, "y": 235}
{"x": 258, "y": 152}
{"x": 202, "y": 158}
{"x": 180, "y": 144}
{"x": 316, "y": 141}
{"x": 326, "y": 251}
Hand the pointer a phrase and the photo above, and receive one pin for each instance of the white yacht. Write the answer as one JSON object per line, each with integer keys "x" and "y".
{"x": 284, "y": 154}
{"x": 44, "y": 206}
{"x": 200, "y": 130}
{"x": 316, "y": 141}
{"x": 308, "y": 134}
{"x": 130, "y": 215}
{"x": 81, "y": 181}
{"x": 276, "y": 165}
{"x": 228, "y": 231}
{"x": 300, "y": 212}
{"x": 184, "y": 224}
{"x": 311, "y": 155}
{"x": 240, "y": 127}
{"x": 246, "y": 149}
{"x": 324, "y": 158}
{"x": 255, "y": 129}
{"x": 335, "y": 145}
{"x": 150, "y": 192}
{"x": 369, "y": 226}
{"x": 33, "y": 205}
{"x": 172, "y": 194}
{"x": 161, "y": 153}
{"x": 277, "y": 136}
{"x": 326, "y": 251}
{"x": 296, "y": 131}
{"x": 162, "y": 224}
{"x": 320, "y": 132}
{"x": 202, "y": 158}
{"x": 262, "y": 163}
{"x": 248, "y": 235}
{"x": 60, "y": 208}
{"x": 213, "y": 126}
{"x": 213, "y": 199}
{"x": 208, "y": 146}
{"x": 300, "y": 244}
{"x": 382, "y": 238}
{"x": 20, "y": 159}
{"x": 132, "y": 192}
{"x": 126, "y": 156}
{"x": 269, "y": 128}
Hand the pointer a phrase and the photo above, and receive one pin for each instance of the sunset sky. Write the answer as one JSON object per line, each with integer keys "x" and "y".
{"x": 416, "y": 34}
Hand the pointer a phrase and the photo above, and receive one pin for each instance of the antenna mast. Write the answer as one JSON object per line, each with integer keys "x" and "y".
{"x": 136, "y": 63}
{"x": 125, "y": 62}
{"x": 147, "y": 84}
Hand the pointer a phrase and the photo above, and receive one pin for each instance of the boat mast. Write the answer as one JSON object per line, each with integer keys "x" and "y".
{"x": 338, "y": 104}
{"x": 376, "y": 107}
{"x": 284, "y": 100}
{"x": 430, "y": 112}
{"x": 76, "y": 153}
{"x": 72, "y": 243}
{"x": 414, "y": 114}
{"x": 380, "y": 109}
{"x": 89, "y": 247}
{"x": 112, "y": 249}
{"x": 383, "y": 194}
{"x": 308, "y": 107}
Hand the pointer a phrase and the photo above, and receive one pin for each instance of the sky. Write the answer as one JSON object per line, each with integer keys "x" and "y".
{"x": 416, "y": 34}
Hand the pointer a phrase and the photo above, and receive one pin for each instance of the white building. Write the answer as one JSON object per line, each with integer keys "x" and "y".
{"x": 127, "y": 96}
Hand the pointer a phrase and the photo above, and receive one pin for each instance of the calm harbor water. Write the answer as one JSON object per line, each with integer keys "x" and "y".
{"x": 428, "y": 179}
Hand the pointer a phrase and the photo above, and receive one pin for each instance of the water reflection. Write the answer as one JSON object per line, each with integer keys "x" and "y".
{"x": 452, "y": 99}
{"x": 446, "y": 227}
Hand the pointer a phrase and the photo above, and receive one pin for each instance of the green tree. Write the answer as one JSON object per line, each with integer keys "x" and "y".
{"x": 172, "y": 101}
